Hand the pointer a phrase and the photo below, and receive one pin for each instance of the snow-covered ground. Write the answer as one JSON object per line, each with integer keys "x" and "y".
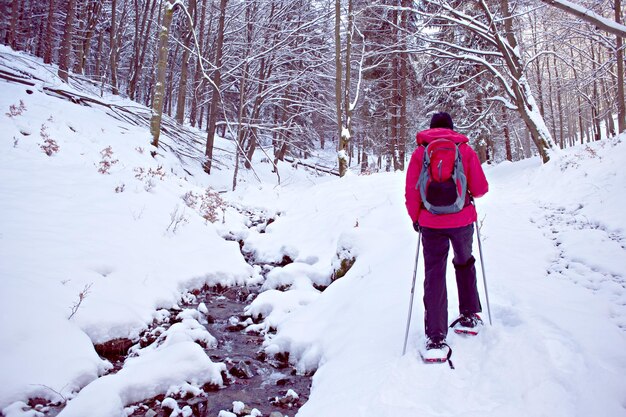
{"x": 134, "y": 242}
{"x": 555, "y": 257}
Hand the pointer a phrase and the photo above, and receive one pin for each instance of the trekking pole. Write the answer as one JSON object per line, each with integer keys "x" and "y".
{"x": 482, "y": 268}
{"x": 408, "y": 321}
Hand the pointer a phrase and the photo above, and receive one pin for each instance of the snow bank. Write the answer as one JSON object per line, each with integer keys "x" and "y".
{"x": 145, "y": 377}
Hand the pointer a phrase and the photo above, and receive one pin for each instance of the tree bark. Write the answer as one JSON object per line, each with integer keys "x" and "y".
{"x": 538, "y": 71}
{"x": 95, "y": 10}
{"x": 198, "y": 80}
{"x": 141, "y": 45}
{"x": 159, "y": 88}
{"x": 98, "y": 63}
{"x": 595, "y": 98}
{"x": 242, "y": 127}
{"x": 621, "y": 105}
{"x": 342, "y": 157}
{"x": 256, "y": 109}
{"x": 13, "y": 34}
{"x": 49, "y": 40}
{"x": 81, "y": 28}
{"x": 66, "y": 44}
{"x": 113, "y": 51}
{"x": 507, "y": 137}
{"x": 559, "y": 102}
{"x": 346, "y": 137}
{"x": 184, "y": 66}
{"x": 404, "y": 87}
{"x": 343, "y": 114}
{"x": 217, "y": 81}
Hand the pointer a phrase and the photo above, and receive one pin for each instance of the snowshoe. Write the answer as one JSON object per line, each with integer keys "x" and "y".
{"x": 436, "y": 351}
{"x": 467, "y": 324}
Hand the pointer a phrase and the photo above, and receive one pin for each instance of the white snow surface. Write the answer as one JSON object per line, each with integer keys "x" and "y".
{"x": 554, "y": 241}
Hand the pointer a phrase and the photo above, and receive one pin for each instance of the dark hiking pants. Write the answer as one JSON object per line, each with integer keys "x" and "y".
{"x": 436, "y": 244}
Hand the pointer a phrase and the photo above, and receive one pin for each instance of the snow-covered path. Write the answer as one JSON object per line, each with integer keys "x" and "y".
{"x": 555, "y": 349}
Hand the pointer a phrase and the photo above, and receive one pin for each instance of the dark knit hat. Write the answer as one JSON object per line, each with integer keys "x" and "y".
{"x": 442, "y": 119}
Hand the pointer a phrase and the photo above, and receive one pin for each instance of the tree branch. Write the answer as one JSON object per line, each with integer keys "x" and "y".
{"x": 589, "y": 16}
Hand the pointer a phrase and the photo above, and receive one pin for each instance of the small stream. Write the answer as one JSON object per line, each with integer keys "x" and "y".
{"x": 261, "y": 382}
{"x": 252, "y": 378}
{"x": 268, "y": 384}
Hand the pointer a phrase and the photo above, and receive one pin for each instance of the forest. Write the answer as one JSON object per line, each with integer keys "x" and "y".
{"x": 520, "y": 78}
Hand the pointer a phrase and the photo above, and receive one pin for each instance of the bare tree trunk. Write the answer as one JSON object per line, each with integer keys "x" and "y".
{"x": 49, "y": 40}
{"x": 559, "y": 102}
{"x": 113, "y": 52}
{"x": 98, "y": 63}
{"x": 169, "y": 86}
{"x": 217, "y": 81}
{"x": 81, "y": 29}
{"x": 198, "y": 80}
{"x": 507, "y": 136}
{"x": 281, "y": 144}
{"x": 13, "y": 34}
{"x": 264, "y": 74}
{"x": 66, "y": 44}
{"x": 41, "y": 37}
{"x": 404, "y": 89}
{"x": 551, "y": 98}
{"x": 343, "y": 129}
{"x": 364, "y": 164}
{"x": 184, "y": 66}
{"x": 538, "y": 71}
{"x": 578, "y": 99}
{"x": 338, "y": 79}
{"x": 93, "y": 17}
{"x": 595, "y": 104}
{"x": 243, "y": 129}
{"x": 608, "y": 105}
{"x": 621, "y": 105}
{"x": 346, "y": 138}
{"x": 142, "y": 31}
{"x": 159, "y": 88}
{"x": 394, "y": 102}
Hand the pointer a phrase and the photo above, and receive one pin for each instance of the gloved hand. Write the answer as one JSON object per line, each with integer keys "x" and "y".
{"x": 416, "y": 226}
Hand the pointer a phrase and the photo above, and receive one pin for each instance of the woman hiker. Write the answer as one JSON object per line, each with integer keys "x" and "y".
{"x": 454, "y": 226}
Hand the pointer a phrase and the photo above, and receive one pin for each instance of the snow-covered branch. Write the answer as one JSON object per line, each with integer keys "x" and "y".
{"x": 589, "y": 16}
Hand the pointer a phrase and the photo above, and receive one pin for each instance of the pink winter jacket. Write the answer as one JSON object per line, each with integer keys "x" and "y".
{"x": 476, "y": 182}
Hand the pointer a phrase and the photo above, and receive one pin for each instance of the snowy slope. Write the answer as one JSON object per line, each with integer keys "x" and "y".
{"x": 554, "y": 240}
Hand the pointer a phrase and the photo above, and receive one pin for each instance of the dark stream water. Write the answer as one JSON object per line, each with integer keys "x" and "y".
{"x": 252, "y": 377}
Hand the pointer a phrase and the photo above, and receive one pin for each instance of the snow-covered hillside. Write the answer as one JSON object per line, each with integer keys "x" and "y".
{"x": 101, "y": 217}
